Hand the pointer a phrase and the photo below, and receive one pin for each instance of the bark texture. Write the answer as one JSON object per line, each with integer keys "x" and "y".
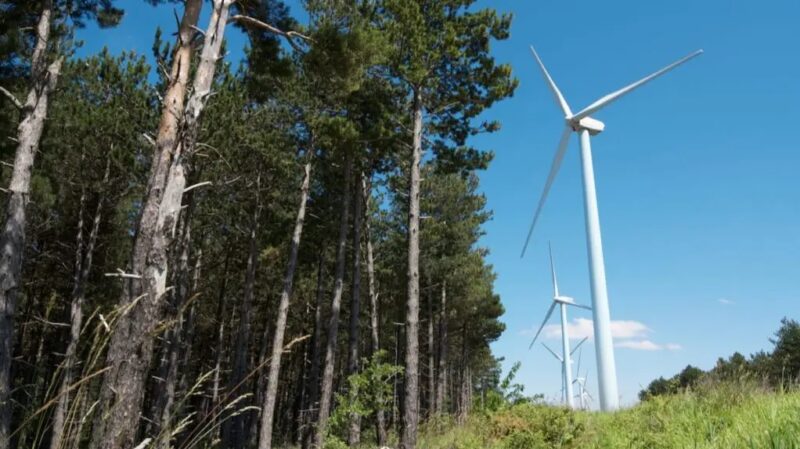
{"x": 441, "y": 380}
{"x": 131, "y": 345}
{"x": 354, "y": 430}
{"x": 83, "y": 265}
{"x": 333, "y": 325}
{"x": 408, "y": 435}
{"x": 316, "y": 351}
{"x": 12, "y": 240}
{"x": 431, "y": 393}
{"x": 267, "y": 411}
{"x": 380, "y": 418}
{"x": 234, "y": 431}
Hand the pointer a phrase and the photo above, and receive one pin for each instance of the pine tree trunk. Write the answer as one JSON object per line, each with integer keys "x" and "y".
{"x": 12, "y": 239}
{"x": 182, "y": 291}
{"x": 233, "y": 436}
{"x": 316, "y": 351}
{"x": 408, "y": 436}
{"x": 221, "y": 315}
{"x": 333, "y": 325}
{"x": 189, "y": 327}
{"x": 83, "y": 265}
{"x": 131, "y": 346}
{"x": 441, "y": 381}
{"x": 267, "y": 411}
{"x": 464, "y": 387}
{"x": 259, "y": 394}
{"x": 431, "y": 393}
{"x": 380, "y": 418}
{"x": 354, "y": 431}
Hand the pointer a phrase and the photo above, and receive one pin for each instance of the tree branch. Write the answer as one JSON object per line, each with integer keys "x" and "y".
{"x": 289, "y": 35}
{"x": 11, "y": 97}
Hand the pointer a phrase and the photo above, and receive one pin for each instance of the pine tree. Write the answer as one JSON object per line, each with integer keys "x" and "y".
{"x": 442, "y": 62}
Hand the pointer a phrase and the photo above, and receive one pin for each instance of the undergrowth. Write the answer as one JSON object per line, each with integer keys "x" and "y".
{"x": 723, "y": 416}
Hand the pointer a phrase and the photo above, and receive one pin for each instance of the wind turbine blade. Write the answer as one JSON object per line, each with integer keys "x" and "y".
{"x": 575, "y": 349}
{"x": 606, "y": 100}
{"x": 553, "y": 271}
{"x": 554, "y": 167}
{"x": 552, "y": 85}
{"x": 581, "y": 306}
{"x": 553, "y": 352}
{"x": 546, "y": 317}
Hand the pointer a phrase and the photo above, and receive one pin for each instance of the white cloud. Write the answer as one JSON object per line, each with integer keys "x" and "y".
{"x": 647, "y": 345}
{"x": 725, "y": 302}
{"x": 628, "y": 334}
{"x": 580, "y": 328}
{"x": 640, "y": 345}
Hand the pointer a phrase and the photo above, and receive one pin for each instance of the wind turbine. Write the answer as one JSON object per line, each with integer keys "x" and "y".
{"x": 586, "y": 126}
{"x": 583, "y": 393}
{"x": 564, "y": 390}
{"x": 562, "y": 302}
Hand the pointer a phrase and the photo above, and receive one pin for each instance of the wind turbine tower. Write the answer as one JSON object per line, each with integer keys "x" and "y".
{"x": 586, "y": 126}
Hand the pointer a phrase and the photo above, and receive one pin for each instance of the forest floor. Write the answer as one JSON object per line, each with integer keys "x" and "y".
{"x": 719, "y": 417}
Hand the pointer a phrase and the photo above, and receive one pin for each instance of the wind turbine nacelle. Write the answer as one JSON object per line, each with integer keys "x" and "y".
{"x": 564, "y": 299}
{"x": 593, "y": 126}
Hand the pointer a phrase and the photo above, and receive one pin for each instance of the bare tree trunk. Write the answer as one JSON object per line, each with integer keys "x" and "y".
{"x": 316, "y": 350}
{"x": 12, "y": 239}
{"x": 223, "y": 290}
{"x": 265, "y": 435}
{"x": 182, "y": 291}
{"x": 431, "y": 393}
{"x": 408, "y": 437}
{"x": 380, "y": 418}
{"x": 189, "y": 328}
{"x": 333, "y": 324}
{"x": 441, "y": 381}
{"x": 295, "y": 434}
{"x": 83, "y": 264}
{"x": 354, "y": 431}
{"x": 464, "y": 387}
{"x": 465, "y": 400}
{"x": 131, "y": 346}
{"x": 234, "y": 433}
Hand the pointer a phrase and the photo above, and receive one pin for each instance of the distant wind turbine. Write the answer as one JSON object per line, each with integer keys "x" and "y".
{"x": 562, "y": 302}
{"x": 564, "y": 368}
{"x": 586, "y": 126}
{"x": 583, "y": 394}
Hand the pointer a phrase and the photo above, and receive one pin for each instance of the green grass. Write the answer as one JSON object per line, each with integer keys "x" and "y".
{"x": 719, "y": 417}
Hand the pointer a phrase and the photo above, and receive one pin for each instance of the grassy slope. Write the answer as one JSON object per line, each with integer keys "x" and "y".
{"x": 725, "y": 417}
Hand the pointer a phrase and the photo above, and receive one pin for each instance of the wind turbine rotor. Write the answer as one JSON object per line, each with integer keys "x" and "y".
{"x": 546, "y": 317}
{"x": 552, "y": 85}
{"x": 553, "y": 352}
{"x": 554, "y": 167}
{"x": 614, "y": 96}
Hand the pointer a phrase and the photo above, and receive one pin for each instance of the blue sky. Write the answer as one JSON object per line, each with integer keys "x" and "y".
{"x": 696, "y": 176}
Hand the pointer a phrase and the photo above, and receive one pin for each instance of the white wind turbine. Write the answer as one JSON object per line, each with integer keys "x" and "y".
{"x": 586, "y": 126}
{"x": 562, "y": 302}
{"x": 583, "y": 394}
{"x": 564, "y": 368}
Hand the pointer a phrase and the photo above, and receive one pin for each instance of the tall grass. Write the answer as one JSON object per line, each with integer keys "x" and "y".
{"x": 720, "y": 416}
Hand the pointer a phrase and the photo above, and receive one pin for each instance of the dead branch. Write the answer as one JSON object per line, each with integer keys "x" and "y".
{"x": 199, "y": 184}
{"x": 289, "y": 35}
{"x": 11, "y": 97}
{"x": 122, "y": 274}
